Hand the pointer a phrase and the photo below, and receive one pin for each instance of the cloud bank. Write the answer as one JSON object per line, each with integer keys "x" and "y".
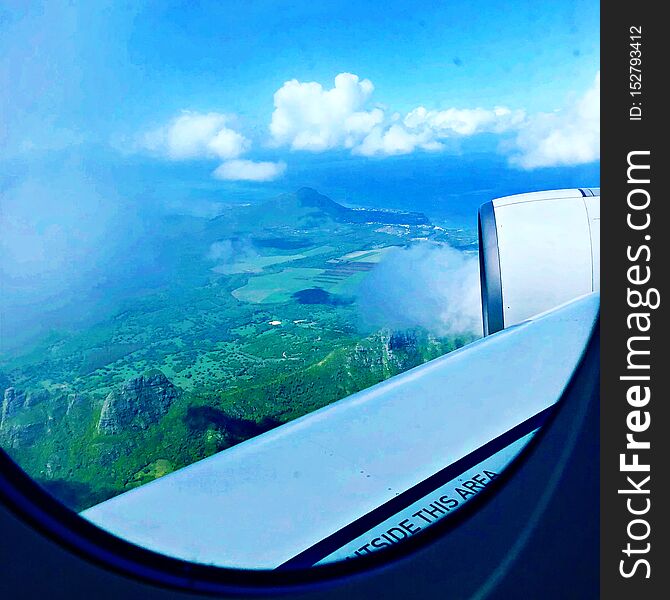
{"x": 309, "y": 117}
{"x": 464, "y": 121}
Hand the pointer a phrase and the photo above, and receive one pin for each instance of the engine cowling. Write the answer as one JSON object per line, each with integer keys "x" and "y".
{"x": 536, "y": 252}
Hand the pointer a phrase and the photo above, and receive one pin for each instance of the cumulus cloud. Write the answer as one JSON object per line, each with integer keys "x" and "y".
{"x": 312, "y": 118}
{"x": 308, "y": 117}
{"x": 568, "y": 137}
{"x": 249, "y": 170}
{"x": 429, "y": 285}
{"x": 194, "y": 135}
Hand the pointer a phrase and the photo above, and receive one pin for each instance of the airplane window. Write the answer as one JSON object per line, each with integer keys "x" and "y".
{"x": 283, "y": 288}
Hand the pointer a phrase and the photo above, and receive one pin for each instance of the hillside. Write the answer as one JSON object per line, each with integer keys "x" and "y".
{"x": 307, "y": 207}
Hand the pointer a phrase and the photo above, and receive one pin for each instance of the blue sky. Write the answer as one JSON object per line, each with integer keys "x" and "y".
{"x": 249, "y": 98}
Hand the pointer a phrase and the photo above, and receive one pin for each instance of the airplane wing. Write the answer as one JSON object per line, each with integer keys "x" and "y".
{"x": 368, "y": 471}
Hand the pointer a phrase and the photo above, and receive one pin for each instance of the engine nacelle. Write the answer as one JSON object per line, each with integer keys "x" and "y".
{"x": 536, "y": 252}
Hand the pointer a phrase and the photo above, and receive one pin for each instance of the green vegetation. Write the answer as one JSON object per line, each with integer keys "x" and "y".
{"x": 258, "y": 326}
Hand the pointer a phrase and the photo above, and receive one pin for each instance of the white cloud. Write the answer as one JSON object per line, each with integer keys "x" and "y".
{"x": 194, "y": 135}
{"x": 464, "y": 121}
{"x": 426, "y": 285}
{"x": 307, "y": 117}
{"x": 568, "y": 137}
{"x": 424, "y": 129}
{"x": 395, "y": 139}
{"x": 249, "y": 170}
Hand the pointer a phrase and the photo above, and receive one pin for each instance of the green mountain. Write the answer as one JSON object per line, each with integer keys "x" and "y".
{"x": 308, "y": 203}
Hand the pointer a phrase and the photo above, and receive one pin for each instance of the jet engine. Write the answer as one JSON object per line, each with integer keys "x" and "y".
{"x": 536, "y": 252}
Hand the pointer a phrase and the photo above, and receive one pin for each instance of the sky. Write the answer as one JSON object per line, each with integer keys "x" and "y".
{"x": 253, "y": 91}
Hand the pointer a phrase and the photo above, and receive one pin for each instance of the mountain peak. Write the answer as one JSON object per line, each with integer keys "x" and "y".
{"x": 307, "y": 207}
{"x": 137, "y": 403}
{"x": 307, "y": 191}
{"x": 310, "y": 197}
